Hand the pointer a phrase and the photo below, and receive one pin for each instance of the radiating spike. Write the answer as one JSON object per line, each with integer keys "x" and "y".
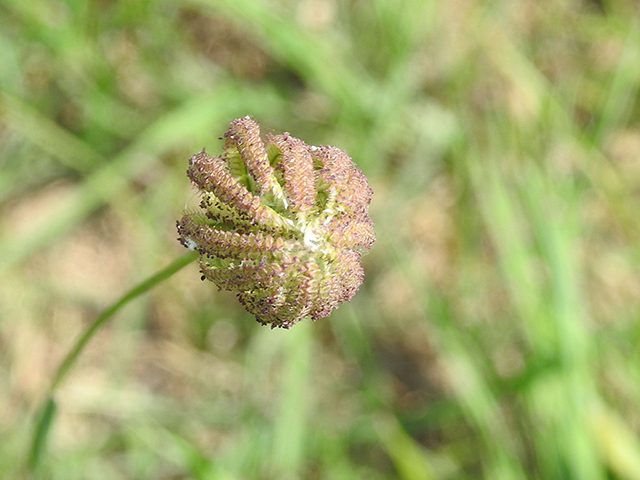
{"x": 244, "y": 136}
{"x": 229, "y": 244}
{"x": 297, "y": 169}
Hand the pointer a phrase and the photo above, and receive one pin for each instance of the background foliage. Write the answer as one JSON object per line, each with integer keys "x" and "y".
{"x": 496, "y": 335}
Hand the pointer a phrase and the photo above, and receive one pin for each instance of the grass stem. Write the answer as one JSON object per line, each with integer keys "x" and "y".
{"x": 48, "y": 410}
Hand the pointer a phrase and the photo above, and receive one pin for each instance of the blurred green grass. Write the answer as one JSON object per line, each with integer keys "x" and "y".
{"x": 497, "y": 333}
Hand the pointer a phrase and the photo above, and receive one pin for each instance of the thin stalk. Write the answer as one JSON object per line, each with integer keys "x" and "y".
{"x": 47, "y": 411}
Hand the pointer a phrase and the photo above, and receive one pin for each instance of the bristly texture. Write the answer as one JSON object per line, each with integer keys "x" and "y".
{"x": 283, "y": 224}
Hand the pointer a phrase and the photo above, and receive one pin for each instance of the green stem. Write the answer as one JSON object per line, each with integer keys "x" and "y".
{"x": 47, "y": 411}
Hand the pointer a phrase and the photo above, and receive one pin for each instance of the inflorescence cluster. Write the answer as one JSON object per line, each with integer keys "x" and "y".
{"x": 282, "y": 223}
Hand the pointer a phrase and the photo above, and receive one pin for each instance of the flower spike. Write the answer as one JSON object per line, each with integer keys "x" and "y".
{"x": 283, "y": 224}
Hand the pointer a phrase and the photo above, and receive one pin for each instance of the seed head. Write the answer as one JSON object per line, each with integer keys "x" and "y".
{"x": 282, "y": 223}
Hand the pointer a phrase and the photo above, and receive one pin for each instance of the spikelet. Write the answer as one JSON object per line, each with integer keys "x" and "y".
{"x": 283, "y": 224}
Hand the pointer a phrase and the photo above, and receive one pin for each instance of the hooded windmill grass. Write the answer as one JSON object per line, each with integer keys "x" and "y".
{"x": 282, "y": 223}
